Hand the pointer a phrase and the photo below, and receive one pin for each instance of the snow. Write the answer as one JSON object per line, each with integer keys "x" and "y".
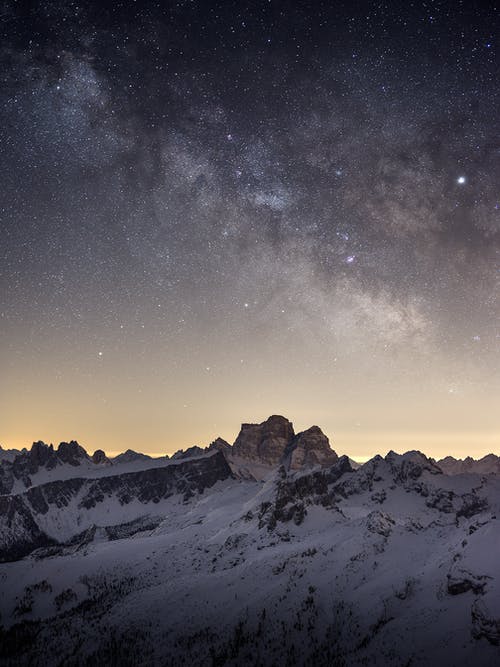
{"x": 366, "y": 575}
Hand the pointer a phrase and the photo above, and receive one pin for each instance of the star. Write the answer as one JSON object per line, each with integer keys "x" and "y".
{"x": 149, "y": 184}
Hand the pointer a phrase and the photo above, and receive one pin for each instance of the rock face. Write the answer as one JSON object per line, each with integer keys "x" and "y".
{"x": 72, "y": 453}
{"x": 219, "y": 444}
{"x": 311, "y": 448}
{"x": 39, "y": 455}
{"x": 265, "y": 443}
{"x": 99, "y": 458}
{"x": 274, "y": 443}
{"x": 295, "y": 492}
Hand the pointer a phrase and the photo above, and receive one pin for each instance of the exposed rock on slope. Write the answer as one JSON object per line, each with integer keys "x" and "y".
{"x": 190, "y": 452}
{"x": 31, "y": 519}
{"x": 411, "y": 465}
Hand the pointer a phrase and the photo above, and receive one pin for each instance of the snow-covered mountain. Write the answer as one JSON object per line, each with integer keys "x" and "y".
{"x": 273, "y": 551}
{"x": 21, "y": 470}
{"x": 489, "y": 464}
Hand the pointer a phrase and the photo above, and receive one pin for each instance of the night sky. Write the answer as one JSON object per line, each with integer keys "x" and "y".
{"x": 212, "y": 212}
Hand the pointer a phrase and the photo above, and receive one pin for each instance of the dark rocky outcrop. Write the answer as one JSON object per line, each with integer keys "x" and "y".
{"x": 410, "y": 466}
{"x": 99, "y": 458}
{"x": 26, "y": 463}
{"x": 484, "y": 624}
{"x": 294, "y": 494}
{"x": 19, "y": 531}
{"x": 471, "y": 504}
{"x": 72, "y": 453}
{"x": 460, "y": 581}
{"x": 380, "y": 523}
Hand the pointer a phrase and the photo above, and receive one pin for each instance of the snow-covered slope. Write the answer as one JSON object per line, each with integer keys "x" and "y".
{"x": 194, "y": 563}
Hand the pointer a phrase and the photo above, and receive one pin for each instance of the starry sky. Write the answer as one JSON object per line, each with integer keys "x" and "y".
{"x": 216, "y": 211}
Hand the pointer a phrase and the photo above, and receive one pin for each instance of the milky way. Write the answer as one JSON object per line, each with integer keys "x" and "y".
{"x": 215, "y": 211}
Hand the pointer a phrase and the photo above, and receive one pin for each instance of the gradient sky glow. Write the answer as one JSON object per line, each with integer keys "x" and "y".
{"x": 213, "y": 212}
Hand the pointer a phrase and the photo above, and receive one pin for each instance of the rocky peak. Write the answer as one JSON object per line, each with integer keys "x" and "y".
{"x": 220, "y": 445}
{"x": 72, "y": 453}
{"x": 410, "y": 465}
{"x": 450, "y": 465}
{"x": 99, "y": 458}
{"x": 41, "y": 455}
{"x": 310, "y": 448}
{"x": 130, "y": 456}
{"x": 274, "y": 442}
{"x": 189, "y": 452}
{"x": 10, "y": 454}
{"x": 266, "y": 442}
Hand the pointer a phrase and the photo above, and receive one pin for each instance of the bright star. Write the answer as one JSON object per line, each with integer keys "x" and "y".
{"x": 461, "y": 180}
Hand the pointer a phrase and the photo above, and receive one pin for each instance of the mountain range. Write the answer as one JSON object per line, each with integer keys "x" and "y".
{"x": 274, "y": 550}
